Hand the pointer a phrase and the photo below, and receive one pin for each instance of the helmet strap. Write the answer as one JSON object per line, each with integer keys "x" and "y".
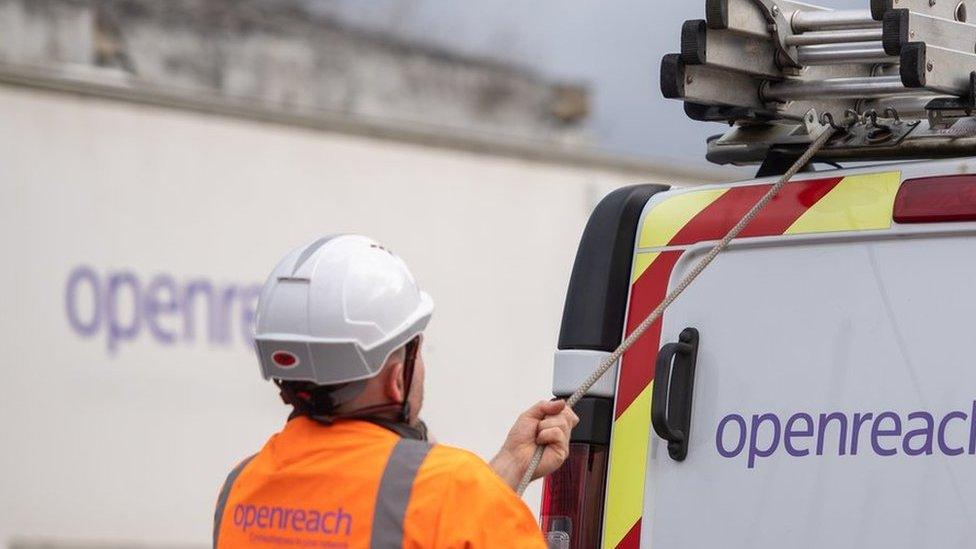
{"x": 310, "y": 402}
{"x": 409, "y": 366}
{"x": 288, "y": 394}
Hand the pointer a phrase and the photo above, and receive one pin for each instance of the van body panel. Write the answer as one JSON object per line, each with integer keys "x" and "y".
{"x": 838, "y": 226}
{"x": 832, "y": 332}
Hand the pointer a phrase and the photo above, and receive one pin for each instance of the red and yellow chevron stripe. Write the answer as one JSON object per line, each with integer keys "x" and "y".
{"x": 856, "y": 203}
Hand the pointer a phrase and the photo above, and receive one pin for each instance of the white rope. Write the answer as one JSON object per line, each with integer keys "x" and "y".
{"x": 682, "y": 285}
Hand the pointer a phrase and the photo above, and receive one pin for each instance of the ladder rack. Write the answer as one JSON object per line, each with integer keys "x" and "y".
{"x": 898, "y": 78}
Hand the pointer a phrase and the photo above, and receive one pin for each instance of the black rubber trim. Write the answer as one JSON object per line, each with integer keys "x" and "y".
{"x": 880, "y": 7}
{"x": 702, "y": 113}
{"x": 672, "y": 76}
{"x": 717, "y": 14}
{"x": 596, "y": 300}
{"x": 724, "y": 113}
{"x": 724, "y": 156}
{"x": 913, "y": 65}
{"x": 595, "y": 418}
{"x": 694, "y": 41}
{"x": 894, "y": 31}
{"x": 780, "y": 159}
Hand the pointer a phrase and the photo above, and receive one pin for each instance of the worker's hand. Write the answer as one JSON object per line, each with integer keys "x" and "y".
{"x": 547, "y": 423}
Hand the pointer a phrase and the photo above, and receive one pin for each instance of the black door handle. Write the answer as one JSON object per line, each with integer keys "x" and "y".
{"x": 674, "y": 382}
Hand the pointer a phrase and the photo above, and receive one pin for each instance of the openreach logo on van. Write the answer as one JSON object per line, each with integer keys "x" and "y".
{"x": 121, "y": 307}
{"x": 882, "y": 434}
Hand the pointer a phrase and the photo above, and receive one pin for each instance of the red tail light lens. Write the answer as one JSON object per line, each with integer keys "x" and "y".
{"x": 572, "y": 499}
{"x": 937, "y": 199}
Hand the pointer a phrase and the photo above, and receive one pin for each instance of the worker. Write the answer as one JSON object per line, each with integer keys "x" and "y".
{"x": 339, "y": 329}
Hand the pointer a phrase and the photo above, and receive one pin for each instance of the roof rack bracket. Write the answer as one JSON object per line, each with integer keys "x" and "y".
{"x": 945, "y": 111}
{"x": 780, "y": 30}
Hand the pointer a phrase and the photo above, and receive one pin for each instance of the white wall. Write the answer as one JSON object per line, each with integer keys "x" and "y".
{"x": 134, "y": 444}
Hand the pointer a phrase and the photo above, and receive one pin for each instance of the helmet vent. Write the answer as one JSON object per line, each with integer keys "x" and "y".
{"x": 309, "y": 251}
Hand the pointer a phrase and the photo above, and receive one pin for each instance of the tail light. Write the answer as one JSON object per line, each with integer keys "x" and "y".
{"x": 573, "y": 496}
{"x": 936, "y": 199}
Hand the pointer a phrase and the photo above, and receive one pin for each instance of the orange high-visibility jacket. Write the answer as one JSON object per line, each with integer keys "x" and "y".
{"x": 356, "y": 484}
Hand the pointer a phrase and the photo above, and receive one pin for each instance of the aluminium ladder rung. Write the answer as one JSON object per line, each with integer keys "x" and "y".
{"x": 809, "y": 21}
{"x": 835, "y": 54}
{"x": 731, "y": 51}
{"x": 834, "y": 37}
{"x": 869, "y": 87}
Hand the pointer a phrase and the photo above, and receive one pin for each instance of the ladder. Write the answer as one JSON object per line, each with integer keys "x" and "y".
{"x": 897, "y": 80}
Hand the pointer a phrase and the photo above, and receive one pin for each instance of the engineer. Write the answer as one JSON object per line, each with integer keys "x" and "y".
{"x": 339, "y": 330}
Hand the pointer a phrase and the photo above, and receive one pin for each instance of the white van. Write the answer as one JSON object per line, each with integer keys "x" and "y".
{"x": 822, "y": 392}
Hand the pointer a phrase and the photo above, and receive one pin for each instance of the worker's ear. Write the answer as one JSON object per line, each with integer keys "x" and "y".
{"x": 393, "y": 384}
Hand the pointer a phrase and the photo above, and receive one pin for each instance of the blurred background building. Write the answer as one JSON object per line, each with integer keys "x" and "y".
{"x": 279, "y": 56}
{"x": 158, "y": 157}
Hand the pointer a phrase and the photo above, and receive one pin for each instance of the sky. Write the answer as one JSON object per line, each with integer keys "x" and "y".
{"x": 614, "y": 46}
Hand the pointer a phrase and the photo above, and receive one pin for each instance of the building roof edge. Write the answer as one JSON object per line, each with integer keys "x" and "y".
{"x": 120, "y": 86}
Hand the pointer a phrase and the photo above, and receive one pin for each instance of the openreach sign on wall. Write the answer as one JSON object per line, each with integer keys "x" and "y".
{"x": 121, "y": 307}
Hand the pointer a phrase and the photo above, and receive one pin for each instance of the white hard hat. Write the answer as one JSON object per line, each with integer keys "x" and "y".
{"x": 332, "y": 312}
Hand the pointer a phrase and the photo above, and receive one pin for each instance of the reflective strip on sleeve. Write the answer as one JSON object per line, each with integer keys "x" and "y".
{"x": 224, "y": 494}
{"x": 394, "y": 493}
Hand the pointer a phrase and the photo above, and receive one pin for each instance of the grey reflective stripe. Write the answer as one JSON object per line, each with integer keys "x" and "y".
{"x": 224, "y": 494}
{"x": 394, "y": 493}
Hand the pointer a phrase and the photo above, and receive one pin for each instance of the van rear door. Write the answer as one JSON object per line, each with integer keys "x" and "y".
{"x": 835, "y": 388}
